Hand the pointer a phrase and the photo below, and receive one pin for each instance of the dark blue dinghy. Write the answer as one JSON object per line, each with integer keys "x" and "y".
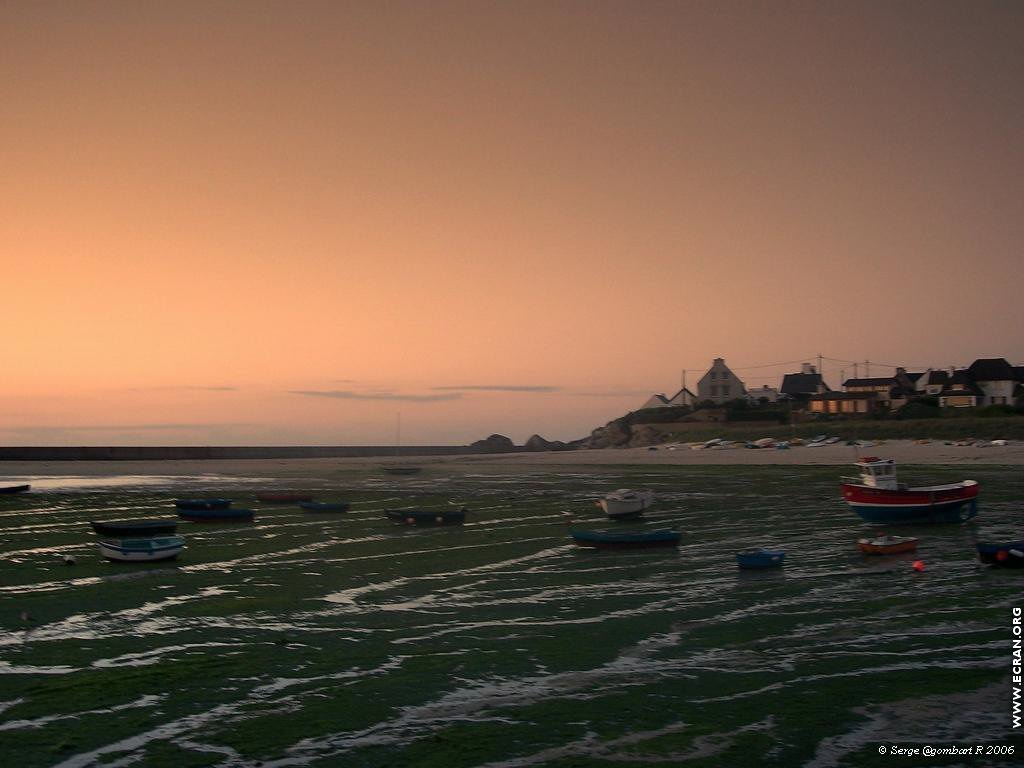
{"x": 760, "y": 558}
{"x": 325, "y": 506}
{"x": 1009, "y": 555}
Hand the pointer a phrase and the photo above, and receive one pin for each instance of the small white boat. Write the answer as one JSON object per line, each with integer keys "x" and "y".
{"x": 142, "y": 550}
{"x": 624, "y": 503}
{"x": 765, "y": 442}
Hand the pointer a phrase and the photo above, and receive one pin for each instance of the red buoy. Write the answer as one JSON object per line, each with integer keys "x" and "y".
{"x": 919, "y": 566}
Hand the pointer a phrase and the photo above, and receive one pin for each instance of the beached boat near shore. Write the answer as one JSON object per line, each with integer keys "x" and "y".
{"x": 887, "y": 545}
{"x": 878, "y": 498}
{"x": 1008, "y": 555}
{"x": 225, "y": 515}
{"x": 325, "y": 506}
{"x": 283, "y": 497}
{"x": 12, "y": 489}
{"x": 622, "y": 540}
{"x": 142, "y": 550}
{"x": 426, "y": 517}
{"x": 199, "y": 504}
{"x": 760, "y": 558}
{"x": 625, "y": 504}
{"x": 136, "y": 528}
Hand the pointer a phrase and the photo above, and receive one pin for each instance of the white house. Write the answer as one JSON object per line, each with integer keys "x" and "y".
{"x": 719, "y": 384}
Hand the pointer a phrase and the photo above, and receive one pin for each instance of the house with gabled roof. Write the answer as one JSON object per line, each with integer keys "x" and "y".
{"x": 719, "y": 384}
{"x": 683, "y": 397}
{"x": 996, "y": 380}
{"x": 893, "y": 391}
{"x": 960, "y": 392}
{"x": 801, "y": 386}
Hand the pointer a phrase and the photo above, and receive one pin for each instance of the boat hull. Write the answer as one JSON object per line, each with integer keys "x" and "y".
{"x": 420, "y": 517}
{"x": 402, "y": 470}
{"x": 872, "y": 547}
{"x": 648, "y": 539}
{"x": 942, "y": 504}
{"x": 217, "y": 515}
{"x": 13, "y": 489}
{"x": 130, "y": 528}
{"x": 142, "y": 550}
{"x": 1009, "y": 555}
{"x": 625, "y": 508}
{"x": 760, "y": 560}
{"x": 323, "y": 506}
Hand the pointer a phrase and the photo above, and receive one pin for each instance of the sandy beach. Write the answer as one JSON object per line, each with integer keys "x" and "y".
{"x": 905, "y": 452}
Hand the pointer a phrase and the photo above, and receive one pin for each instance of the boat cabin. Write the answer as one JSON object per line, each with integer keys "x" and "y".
{"x": 877, "y": 473}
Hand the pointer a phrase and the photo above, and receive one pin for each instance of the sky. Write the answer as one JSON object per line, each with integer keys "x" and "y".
{"x": 262, "y": 223}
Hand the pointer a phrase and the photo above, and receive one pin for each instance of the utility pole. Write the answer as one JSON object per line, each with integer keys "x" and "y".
{"x": 855, "y": 371}
{"x": 867, "y": 369}
{"x": 820, "y": 371}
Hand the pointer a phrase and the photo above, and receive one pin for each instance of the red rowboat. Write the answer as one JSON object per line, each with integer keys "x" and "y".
{"x": 887, "y": 545}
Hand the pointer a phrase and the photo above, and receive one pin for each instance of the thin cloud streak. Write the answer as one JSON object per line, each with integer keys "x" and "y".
{"x": 184, "y": 388}
{"x": 342, "y": 394}
{"x": 123, "y": 427}
{"x": 502, "y": 388}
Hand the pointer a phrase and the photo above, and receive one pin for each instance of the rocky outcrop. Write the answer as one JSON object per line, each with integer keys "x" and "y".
{"x": 615, "y": 434}
{"x": 644, "y": 435}
{"x": 493, "y": 444}
{"x": 538, "y": 443}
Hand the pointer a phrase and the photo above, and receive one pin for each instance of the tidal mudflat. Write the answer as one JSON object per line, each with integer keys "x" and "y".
{"x": 309, "y": 639}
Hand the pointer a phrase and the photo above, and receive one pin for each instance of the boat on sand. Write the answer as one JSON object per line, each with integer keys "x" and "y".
{"x": 887, "y": 545}
{"x": 625, "y": 504}
{"x": 142, "y": 550}
{"x": 878, "y": 498}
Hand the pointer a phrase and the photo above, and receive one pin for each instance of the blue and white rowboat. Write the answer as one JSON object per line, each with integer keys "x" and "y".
{"x": 142, "y": 550}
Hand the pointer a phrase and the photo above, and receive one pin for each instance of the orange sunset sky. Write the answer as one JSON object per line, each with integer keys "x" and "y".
{"x": 286, "y": 222}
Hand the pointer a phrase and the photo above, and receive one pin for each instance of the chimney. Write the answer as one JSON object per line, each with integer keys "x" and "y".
{"x": 807, "y": 368}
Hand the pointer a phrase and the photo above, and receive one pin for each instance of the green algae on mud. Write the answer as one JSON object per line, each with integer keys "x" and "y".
{"x": 313, "y": 640}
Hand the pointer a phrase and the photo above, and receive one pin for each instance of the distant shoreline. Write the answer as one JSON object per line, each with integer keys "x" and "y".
{"x": 453, "y": 459}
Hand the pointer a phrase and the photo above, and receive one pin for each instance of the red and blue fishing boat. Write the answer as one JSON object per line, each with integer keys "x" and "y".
{"x": 1010, "y": 555}
{"x": 626, "y": 540}
{"x": 878, "y": 498}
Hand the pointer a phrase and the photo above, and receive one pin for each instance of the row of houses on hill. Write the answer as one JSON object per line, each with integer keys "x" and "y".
{"x": 987, "y": 381}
